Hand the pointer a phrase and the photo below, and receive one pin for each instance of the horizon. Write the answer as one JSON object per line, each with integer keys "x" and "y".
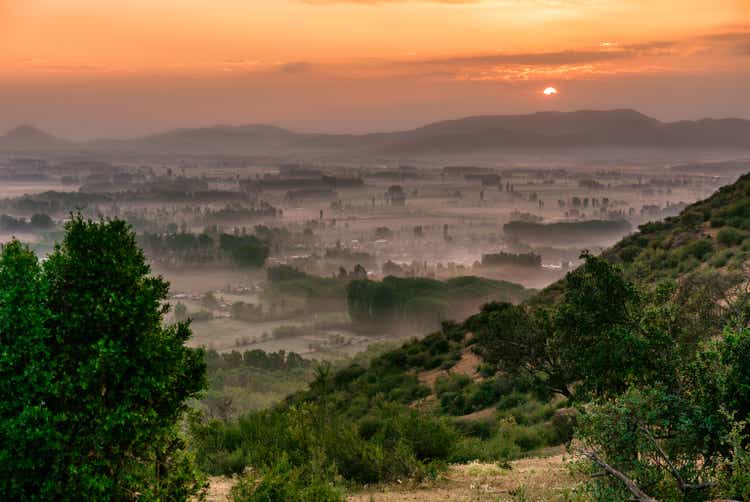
{"x": 292, "y": 129}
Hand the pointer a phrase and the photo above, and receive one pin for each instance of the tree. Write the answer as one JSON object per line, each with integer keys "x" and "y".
{"x": 115, "y": 379}
{"x": 602, "y": 334}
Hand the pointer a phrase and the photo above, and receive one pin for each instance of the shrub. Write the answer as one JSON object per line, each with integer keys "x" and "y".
{"x": 698, "y": 249}
{"x": 284, "y": 481}
{"x": 730, "y": 237}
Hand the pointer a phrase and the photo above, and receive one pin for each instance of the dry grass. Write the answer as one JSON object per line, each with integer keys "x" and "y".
{"x": 531, "y": 479}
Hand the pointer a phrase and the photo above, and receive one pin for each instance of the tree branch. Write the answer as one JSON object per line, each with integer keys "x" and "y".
{"x": 638, "y": 494}
{"x": 673, "y": 470}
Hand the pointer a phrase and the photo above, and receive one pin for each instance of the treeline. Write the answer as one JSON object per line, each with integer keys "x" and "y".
{"x": 517, "y": 260}
{"x": 293, "y": 291}
{"x": 574, "y": 232}
{"x": 240, "y": 213}
{"x": 421, "y": 302}
{"x": 258, "y": 359}
{"x": 38, "y": 221}
{"x": 53, "y": 202}
{"x": 187, "y": 248}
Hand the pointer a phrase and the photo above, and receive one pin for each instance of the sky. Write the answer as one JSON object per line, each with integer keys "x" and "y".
{"x": 120, "y": 68}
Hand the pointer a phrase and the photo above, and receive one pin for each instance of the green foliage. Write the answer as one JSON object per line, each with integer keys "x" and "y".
{"x": 730, "y": 237}
{"x": 27, "y": 427}
{"x": 310, "y": 293}
{"x": 680, "y": 244}
{"x": 394, "y": 441}
{"x": 285, "y": 481}
{"x": 459, "y": 395}
{"x": 602, "y": 335}
{"x": 699, "y": 249}
{"x": 106, "y": 382}
{"x": 671, "y": 438}
{"x": 734, "y": 469}
{"x": 245, "y": 250}
{"x": 422, "y": 302}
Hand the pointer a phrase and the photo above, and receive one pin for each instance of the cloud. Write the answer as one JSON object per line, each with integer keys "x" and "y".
{"x": 528, "y": 58}
{"x": 241, "y": 65}
{"x": 737, "y": 42}
{"x": 41, "y": 64}
{"x": 294, "y": 67}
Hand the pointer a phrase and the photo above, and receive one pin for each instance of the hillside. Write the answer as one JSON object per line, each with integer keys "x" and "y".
{"x": 631, "y": 332}
{"x": 585, "y": 129}
{"x": 710, "y": 235}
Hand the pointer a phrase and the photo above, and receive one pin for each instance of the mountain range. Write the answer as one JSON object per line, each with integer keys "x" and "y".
{"x": 477, "y": 134}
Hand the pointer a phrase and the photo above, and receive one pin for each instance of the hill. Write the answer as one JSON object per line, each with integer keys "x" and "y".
{"x": 29, "y": 138}
{"x": 585, "y": 129}
{"x": 632, "y": 339}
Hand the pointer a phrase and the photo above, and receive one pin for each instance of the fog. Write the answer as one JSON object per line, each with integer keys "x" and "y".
{"x": 263, "y": 252}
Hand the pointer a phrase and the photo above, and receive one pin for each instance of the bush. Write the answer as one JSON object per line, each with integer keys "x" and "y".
{"x": 393, "y": 442}
{"x": 698, "y": 249}
{"x": 730, "y": 237}
{"x": 284, "y": 481}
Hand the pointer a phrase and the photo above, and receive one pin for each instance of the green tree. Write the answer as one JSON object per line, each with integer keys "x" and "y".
{"x": 111, "y": 377}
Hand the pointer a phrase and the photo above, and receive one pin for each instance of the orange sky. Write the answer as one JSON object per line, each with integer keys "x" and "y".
{"x": 119, "y": 67}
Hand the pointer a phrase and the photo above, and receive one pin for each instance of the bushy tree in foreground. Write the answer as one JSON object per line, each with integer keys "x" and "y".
{"x": 93, "y": 383}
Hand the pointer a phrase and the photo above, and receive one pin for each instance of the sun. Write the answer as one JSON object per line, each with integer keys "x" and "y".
{"x": 550, "y": 91}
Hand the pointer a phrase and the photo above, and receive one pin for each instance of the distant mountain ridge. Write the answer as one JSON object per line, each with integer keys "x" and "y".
{"x": 484, "y": 133}
{"x": 28, "y": 136}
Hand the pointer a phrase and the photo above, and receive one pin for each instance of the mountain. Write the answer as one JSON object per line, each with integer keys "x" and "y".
{"x": 225, "y": 138}
{"x": 26, "y": 137}
{"x": 543, "y": 130}
{"x": 585, "y": 129}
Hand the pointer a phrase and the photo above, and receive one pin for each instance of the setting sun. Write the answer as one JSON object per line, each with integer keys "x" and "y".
{"x": 550, "y": 91}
